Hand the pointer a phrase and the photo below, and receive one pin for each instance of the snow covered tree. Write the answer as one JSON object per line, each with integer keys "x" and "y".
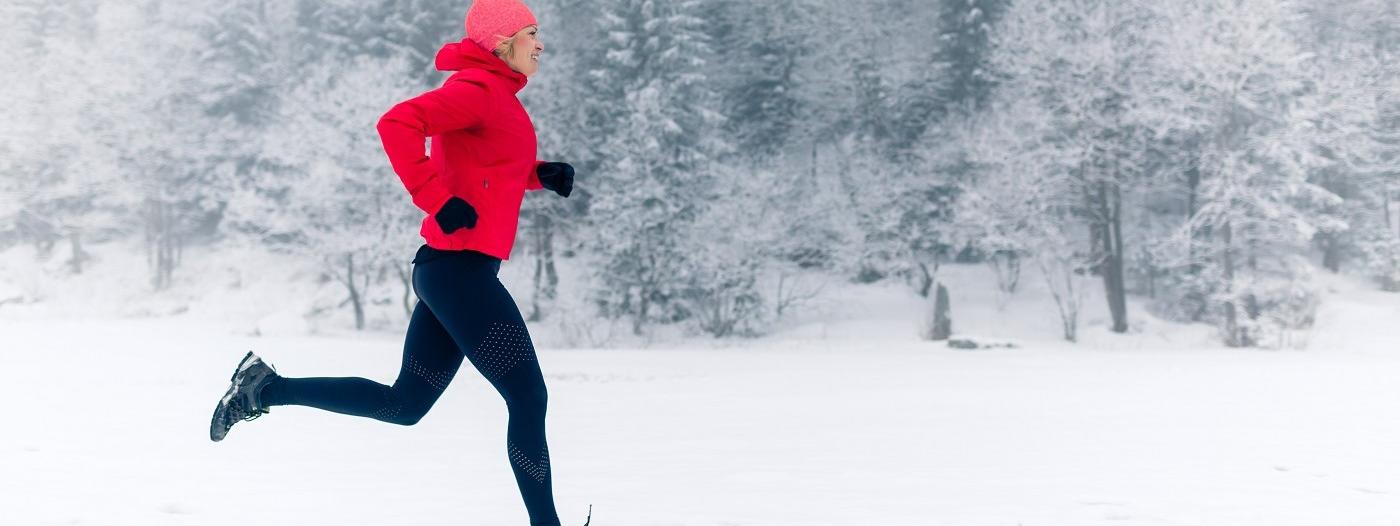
{"x": 918, "y": 188}
{"x": 154, "y": 119}
{"x": 1025, "y": 198}
{"x": 22, "y": 36}
{"x": 952, "y": 83}
{"x": 1086, "y": 60}
{"x": 965, "y": 27}
{"x": 554, "y": 229}
{"x": 246, "y": 60}
{"x": 328, "y": 193}
{"x": 758, "y": 50}
{"x": 57, "y": 179}
{"x": 1240, "y": 71}
{"x": 872, "y": 87}
{"x": 412, "y": 29}
{"x": 1350, "y": 109}
{"x": 656, "y": 119}
{"x": 250, "y": 59}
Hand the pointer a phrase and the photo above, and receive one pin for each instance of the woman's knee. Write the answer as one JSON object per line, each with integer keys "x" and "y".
{"x": 534, "y": 398}
{"x": 407, "y": 415}
{"x": 404, "y": 407}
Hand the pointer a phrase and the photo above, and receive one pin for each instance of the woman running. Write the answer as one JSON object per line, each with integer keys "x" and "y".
{"x": 482, "y": 161}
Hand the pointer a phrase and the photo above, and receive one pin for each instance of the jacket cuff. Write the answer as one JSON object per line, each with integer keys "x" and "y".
{"x": 533, "y": 182}
{"x": 432, "y": 199}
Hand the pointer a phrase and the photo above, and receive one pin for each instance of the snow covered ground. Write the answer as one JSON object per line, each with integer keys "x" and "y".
{"x": 844, "y": 417}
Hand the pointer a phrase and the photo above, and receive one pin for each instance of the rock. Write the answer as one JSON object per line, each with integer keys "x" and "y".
{"x": 959, "y": 343}
{"x": 970, "y": 344}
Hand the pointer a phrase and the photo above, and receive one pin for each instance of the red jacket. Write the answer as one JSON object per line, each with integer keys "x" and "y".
{"x": 483, "y": 149}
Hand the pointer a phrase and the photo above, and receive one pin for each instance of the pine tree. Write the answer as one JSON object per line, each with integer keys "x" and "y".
{"x": 759, "y": 47}
{"x": 966, "y": 27}
{"x": 655, "y": 116}
{"x": 1355, "y": 125}
{"x": 1240, "y": 71}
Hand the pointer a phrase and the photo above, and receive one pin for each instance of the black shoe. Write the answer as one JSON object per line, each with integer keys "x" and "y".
{"x": 241, "y": 402}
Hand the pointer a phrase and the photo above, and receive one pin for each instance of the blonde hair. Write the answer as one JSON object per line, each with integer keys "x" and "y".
{"x": 507, "y": 47}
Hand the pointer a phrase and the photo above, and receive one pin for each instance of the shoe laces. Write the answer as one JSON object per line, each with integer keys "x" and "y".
{"x": 238, "y": 411}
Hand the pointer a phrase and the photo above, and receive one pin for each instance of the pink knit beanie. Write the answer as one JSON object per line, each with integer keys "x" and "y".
{"x": 491, "y": 21}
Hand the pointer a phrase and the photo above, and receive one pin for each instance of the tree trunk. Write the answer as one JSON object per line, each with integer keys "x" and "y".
{"x": 75, "y": 240}
{"x": 1006, "y": 264}
{"x": 1331, "y": 252}
{"x": 641, "y": 316}
{"x": 546, "y": 277}
{"x": 535, "y": 311}
{"x": 1193, "y": 268}
{"x": 551, "y": 274}
{"x": 355, "y": 299}
{"x": 1110, "y": 201}
{"x": 925, "y": 280}
{"x": 1193, "y": 183}
{"x": 942, "y": 321}
{"x": 165, "y": 247}
{"x": 406, "y": 277}
{"x": 161, "y": 242}
{"x": 1385, "y": 200}
{"x": 1233, "y": 338}
{"x": 1064, "y": 293}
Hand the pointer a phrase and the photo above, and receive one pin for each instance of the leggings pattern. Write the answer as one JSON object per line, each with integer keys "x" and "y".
{"x": 463, "y": 312}
{"x": 437, "y": 379}
{"x": 503, "y": 348}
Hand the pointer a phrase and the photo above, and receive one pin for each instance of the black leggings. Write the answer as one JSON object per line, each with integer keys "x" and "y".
{"x": 463, "y": 310}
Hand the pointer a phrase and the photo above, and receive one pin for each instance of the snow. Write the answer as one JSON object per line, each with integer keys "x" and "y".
{"x": 843, "y": 417}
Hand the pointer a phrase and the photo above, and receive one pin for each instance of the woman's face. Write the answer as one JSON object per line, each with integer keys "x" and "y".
{"x": 526, "y": 58}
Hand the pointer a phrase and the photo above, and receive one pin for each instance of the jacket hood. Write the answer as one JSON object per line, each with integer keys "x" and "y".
{"x": 457, "y": 56}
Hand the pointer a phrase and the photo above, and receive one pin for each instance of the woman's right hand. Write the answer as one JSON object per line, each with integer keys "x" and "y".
{"x": 558, "y": 177}
{"x": 456, "y": 213}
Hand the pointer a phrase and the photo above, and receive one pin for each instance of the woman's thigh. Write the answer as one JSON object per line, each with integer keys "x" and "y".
{"x": 478, "y": 312}
{"x": 431, "y": 356}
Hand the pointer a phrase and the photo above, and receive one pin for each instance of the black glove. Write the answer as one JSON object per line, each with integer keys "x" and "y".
{"x": 558, "y": 177}
{"x": 457, "y": 213}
